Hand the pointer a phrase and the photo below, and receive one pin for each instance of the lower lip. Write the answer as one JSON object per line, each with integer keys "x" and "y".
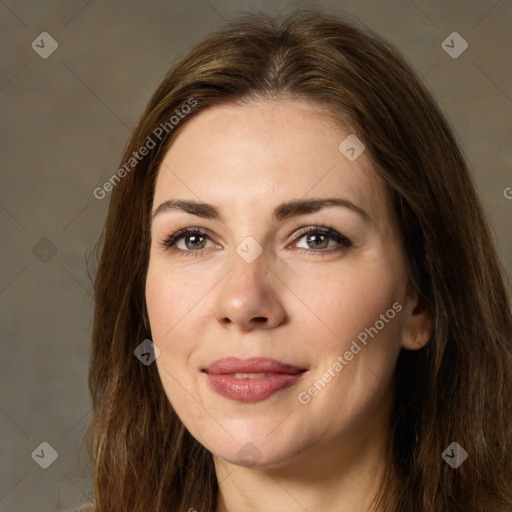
{"x": 252, "y": 390}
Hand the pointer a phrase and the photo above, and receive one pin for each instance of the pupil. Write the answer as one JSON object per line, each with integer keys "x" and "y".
{"x": 316, "y": 237}
{"x": 192, "y": 238}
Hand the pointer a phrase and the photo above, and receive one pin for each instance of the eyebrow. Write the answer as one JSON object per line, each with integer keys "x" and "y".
{"x": 281, "y": 212}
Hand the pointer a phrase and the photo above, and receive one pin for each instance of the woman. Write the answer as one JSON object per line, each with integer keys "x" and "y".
{"x": 299, "y": 305}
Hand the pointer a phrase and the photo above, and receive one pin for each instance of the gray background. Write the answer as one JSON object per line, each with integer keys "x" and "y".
{"x": 65, "y": 120}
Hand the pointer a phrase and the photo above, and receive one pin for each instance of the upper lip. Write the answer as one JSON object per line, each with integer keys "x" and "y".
{"x": 230, "y": 365}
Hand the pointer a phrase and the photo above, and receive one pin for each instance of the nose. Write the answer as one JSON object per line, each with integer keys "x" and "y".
{"x": 250, "y": 296}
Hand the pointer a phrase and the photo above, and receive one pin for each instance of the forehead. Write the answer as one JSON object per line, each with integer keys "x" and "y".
{"x": 263, "y": 153}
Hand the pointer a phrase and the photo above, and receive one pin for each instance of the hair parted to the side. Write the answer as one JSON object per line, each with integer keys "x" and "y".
{"x": 457, "y": 388}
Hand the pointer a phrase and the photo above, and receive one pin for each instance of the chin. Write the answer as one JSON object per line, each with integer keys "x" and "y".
{"x": 258, "y": 451}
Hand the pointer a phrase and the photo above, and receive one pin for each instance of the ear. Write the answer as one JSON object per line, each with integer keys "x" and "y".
{"x": 417, "y": 324}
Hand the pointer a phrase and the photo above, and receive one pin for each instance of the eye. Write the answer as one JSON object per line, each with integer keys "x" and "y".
{"x": 189, "y": 241}
{"x": 192, "y": 241}
{"x": 317, "y": 240}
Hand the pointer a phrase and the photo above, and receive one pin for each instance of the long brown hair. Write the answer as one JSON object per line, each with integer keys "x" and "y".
{"x": 457, "y": 388}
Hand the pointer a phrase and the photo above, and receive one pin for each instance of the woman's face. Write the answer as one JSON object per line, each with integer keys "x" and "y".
{"x": 310, "y": 299}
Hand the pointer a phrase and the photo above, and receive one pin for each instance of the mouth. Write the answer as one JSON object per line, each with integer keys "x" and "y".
{"x": 251, "y": 368}
{"x": 251, "y": 380}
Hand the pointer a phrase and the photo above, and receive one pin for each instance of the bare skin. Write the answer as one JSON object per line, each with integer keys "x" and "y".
{"x": 205, "y": 302}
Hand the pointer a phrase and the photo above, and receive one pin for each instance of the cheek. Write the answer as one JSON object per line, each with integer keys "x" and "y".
{"x": 360, "y": 326}
{"x": 347, "y": 301}
{"x": 170, "y": 305}
{"x": 364, "y": 331}
{"x": 170, "y": 302}
{"x": 174, "y": 301}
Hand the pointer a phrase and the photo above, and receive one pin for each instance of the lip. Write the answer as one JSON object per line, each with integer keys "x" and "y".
{"x": 221, "y": 376}
{"x": 231, "y": 365}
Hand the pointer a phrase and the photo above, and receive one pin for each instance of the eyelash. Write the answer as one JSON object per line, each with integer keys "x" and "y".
{"x": 169, "y": 242}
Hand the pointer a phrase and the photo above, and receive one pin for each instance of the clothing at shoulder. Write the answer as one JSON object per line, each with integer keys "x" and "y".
{"x": 84, "y": 508}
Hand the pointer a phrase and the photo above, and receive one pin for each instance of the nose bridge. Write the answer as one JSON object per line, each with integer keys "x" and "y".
{"x": 249, "y": 273}
{"x": 250, "y": 292}
{"x": 248, "y": 258}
